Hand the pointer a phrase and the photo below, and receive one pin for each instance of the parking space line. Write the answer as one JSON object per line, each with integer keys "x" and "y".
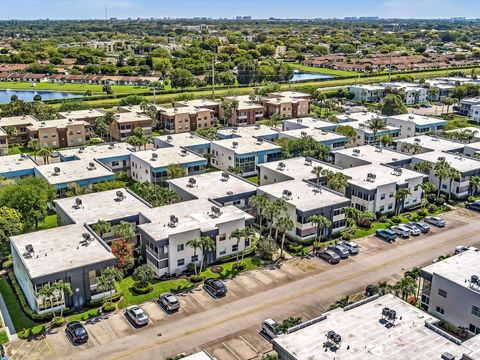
{"x": 269, "y": 276}
{"x": 206, "y": 352}
{"x": 109, "y": 327}
{"x": 184, "y": 308}
{"x": 195, "y": 299}
{"x": 250, "y": 345}
{"x": 240, "y": 284}
{"x": 256, "y": 280}
{"x": 308, "y": 316}
{"x": 231, "y": 292}
{"x": 230, "y": 350}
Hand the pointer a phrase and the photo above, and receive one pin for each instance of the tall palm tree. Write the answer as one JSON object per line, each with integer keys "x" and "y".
{"x": 101, "y": 227}
{"x": 338, "y": 181}
{"x": 384, "y": 288}
{"x": 321, "y": 222}
{"x": 274, "y": 210}
{"x": 376, "y": 124}
{"x": 124, "y": 230}
{"x": 45, "y": 153}
{"x": 456, "y": 175}
{"x": 237, "y": 234}
{"x": 415, "y": 275}
{"x": 422, "y": 166}
{"x": 35, "y": 145}
{"x": 284, "y": 224}
{"x": 317, "y": 171}
{"x": 206, "y": 244}
{"x": 474, "y": 184}
{"x": 405, "y": 287}
{"x": 194, "y": 244}
{"x": 248, "y": 233}
{"x": 400, "y": 196}
{"x": 11, "y": 131}
{"x": 175, "y": 171}
{"x": 64, "y": 289}
{"x": 47, "y": 292}
{"x": 441, "y": 171}
{"x": 259, "y": 203}
{"x": 106, "y": 281}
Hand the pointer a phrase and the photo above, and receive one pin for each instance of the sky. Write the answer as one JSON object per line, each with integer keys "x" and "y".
{"x": 95, "y": 9}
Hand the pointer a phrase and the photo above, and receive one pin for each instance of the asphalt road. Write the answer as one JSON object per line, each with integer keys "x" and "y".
{"x": 309, "y": 294}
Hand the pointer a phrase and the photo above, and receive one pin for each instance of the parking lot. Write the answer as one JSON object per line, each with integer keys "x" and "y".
{"x": 247, "y": 344}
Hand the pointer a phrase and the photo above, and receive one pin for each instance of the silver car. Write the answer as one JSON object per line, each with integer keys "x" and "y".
{"x": 169, "y": 302}
{"x": 137, "y": 315}
{"x": 352, "y": 247}
{"x": 435, "y": 220}
{"x": 414, "y": 230}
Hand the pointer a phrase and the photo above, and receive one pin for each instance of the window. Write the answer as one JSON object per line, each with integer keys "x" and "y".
{"x": 382, "y": 208}
{"x": 247, "y": 242}
{"x": 440, "y": 310}
{"x": 442, "y": 293}
{"x": 222, "y": 237}
{"x": 390, "y": 195}
{"x": 234, "y": 248}
{"x": 382, "y": 197}
{"x": 222, "y": 252}
{"x": 194, "y": 258}
{"x": 476, "y": 311}
{"x": 115, "y": 163}
{"x": 390, "y": 206}
{"x": 180, "y": 262}
{"x": 474, "y": 329}
{"x": 444, "y": 186}
{"x": 181, "y": 247}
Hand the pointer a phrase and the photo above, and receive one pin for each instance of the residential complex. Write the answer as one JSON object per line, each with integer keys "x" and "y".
{"x": 124, "y": 125}
{"x": 413, "y": 125}
{"x": 246, "y": 112}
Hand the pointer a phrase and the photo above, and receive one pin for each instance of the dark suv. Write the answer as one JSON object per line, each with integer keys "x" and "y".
{"x": 215, "y": 287}
{"x": 77, "y": 332}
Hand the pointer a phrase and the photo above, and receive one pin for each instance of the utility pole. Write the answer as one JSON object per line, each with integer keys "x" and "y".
{"x": 390, "y": 68}
{"x": 213, "y": 77}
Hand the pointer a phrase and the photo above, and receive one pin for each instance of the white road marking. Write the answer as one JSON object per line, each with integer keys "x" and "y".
{"x": 308, "y": 316}
{"x": 269, "y": 276}
{"x": 256, "y": 280}
{"x": 233, "y": 353}
{"x": 251, "y": 346}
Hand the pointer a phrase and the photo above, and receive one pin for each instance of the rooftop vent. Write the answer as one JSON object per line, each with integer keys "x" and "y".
{"x": 308, "y": 162}
{"x": 287, "y": 194}
{"x": 120, "y": 195}
{"x": 86, "y": 239}
{"x": 191, "y": 182}
{"x": 303, "y": 133}
{"x": 111, "y": 145}
{"x": 411, "y": 117}
{"x": 225, "y": 176}
{"x": 173, "y": 221}
{"x": 234, "y": 144}
{"x": 333, "y": 337}
{"x": 441, "y": 158}
{"x": 183, "y": 152}
{"x": 78, "y": 203}
{"x": 91, "y": 165}
{"x": 281, "y": 166}
{"x": 154, "y": 156}
{"x": 474, "y": 282}
{"x": 23, "y": 156}
{"x": 169, "y": 138}
{"x": 299, "y": 120}
{"x": 259, "y": 141}
{"x": 28, "y": 251}
{"x": 356, "y": 152}
{"x": 215, "y": 211}
{"x": 56, "y": 171}
{"x": 257, "y": 126}
{"x": 371, "y": 177}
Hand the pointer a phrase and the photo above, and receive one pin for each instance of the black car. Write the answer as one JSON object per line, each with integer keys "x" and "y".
{"x": 215, "y": 287}
{"x": 473, "y": 205}
{"x": 77, "y": 332}
{"x": 329, "y": 256}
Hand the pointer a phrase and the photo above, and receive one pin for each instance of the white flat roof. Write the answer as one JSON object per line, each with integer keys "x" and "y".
{"x": 17, "y": 120}
{"x": 374, "y": 155}
{"x": 166, "y": 156}
{"x": 248, "y": 131}
{"x": 298, "y": 168}
{"x": 127, "y": 117}
{"x": 56, "y": 123}
{"x": 384, "y": 175}
{"x": 305, "y": 196}
{"x": 290, "y": 94}
{"x": 365, "y": 335}
{"x": 105, "y": 205}
{"x": 311, "y": 122}
{"x": 99, "y": 151}
{"x": 317, "y": 134}
{"x": 459, "y": 162}
{"x": 9, "y": 163}
{"x": 431, "y": 143}
{"x": 183, "y": 139}
{"x": 80, "y": 114}
{"x": 213, "y": 185}
{"x": 72, "y": 171}
{"x": 361, "y": 116}
{"x": 199, "y": 102}
{"x": 198, "y": 356}
{"x": 244, "y": 102}
{"x": 458, "y": 268}
{"x": 368, "y": 87}
{"x": 418, "y": 119}
{"x": 191, "y": 215}
{"x": 246, "y": 145}
{"x": 59, "y": 249}
{"x": 184, "y": 110}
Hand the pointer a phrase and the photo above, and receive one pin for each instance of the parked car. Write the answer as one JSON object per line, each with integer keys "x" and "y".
{"x": 426, "y": 106}
{"x": 329, "y": 256}
{"x": 352, "y": 247}
{"x": 402, "y": 231}
{"x": 462, "y": 248}
{"x": 77, "y": 332}
{"x": 473, "y": 205}
{"x": 435, "y": 220}
{"x": 215, "y": 288}
{"x": 340, "y": 251}
{"x": 169, "y": 302}
{"x": 414, "y": 230}
{"x": 424, "y": 228}
{"x": 386, "y": 234}
{"x": 137, "y": 315}
{"x": 270, "y": 329}
{"x": 416, "y": 106}
{"x": 456, "y": 108}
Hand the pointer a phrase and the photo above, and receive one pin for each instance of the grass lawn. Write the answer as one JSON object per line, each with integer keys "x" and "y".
{"x": 325, "y": 71}
{"x": 361, "y": 232}
{"x": 82, "y": 88}
{"x": 85, "y": 315}
{"x": 3, "y": 337}
{"x": 253, "y": 179}
{"x": 459, "y": 122}
{"x": 19, "y": 319}
{"x": 20, "y": 150}
{"x": 49, "y": 223}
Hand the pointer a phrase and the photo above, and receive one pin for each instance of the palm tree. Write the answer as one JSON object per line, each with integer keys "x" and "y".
{"x": 317, "y": 171}
{"x": 456, "y": 175}
{"x": 206, "y": 244}
{"x": 101, "y": 227}
{"x": 74, "y": 189}
{"x": 35, "y": 145}
{"x": 124, "y": 231}
{"x": 284, "y": 224}
{"x": 175, "y": 171}
{"x": 45, "y": 153}
{"x": 474, "y": 184}
{"x": 248, "y": 233}
{"x": 400, "y": 196}
{"x": 11, "y": 131}
{"x": 259, "y": 203}
{"x": 47, "y": 292}
{"x": 415, "y": 275}
{"x": 194, "y": 244}
{"x": 338, "y": 181}
{"x": 384, "y": 288}
{"x": 441, "y": 171}
{"x": 405, "y": 287}
{"x": 209, "y": 156}
{"x": 63, "y": 288}
{"x": 237, "y": 234}
{"x": 275, "y": 209}
{"x": 320, "y": 222}
{"x": 106, "y": 281}
{"x": 422, "y": 166}
{"x": 376, "y": 124}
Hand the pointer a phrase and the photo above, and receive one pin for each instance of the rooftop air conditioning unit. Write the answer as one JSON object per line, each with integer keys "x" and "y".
{"x": 308, "y": 162}
{"x": 56, "y": 171}
{"x": 154, "y": 156}
{"x": 183, "y": 152}
{"x": 91, "y": 165}
{"x": 78, "y": 203}
{"x": 173, "y": 221}
{"x": 191, "y": 182}
{"x": 234, "y": 144}
{"x": 441, "y": 158}
{"x": 169, "y": 138}
{"x": 303, "y": 133}
{"x": 225, "y": 176}
{"x": 120, "y": 195}
{"x": 259, "y": 141}
{"x": 111, "y": 145}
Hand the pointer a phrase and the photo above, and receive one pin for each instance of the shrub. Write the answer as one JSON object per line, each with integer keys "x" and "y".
{"x": 238, "y": 267}
{"x": 36, "y": 330}
{"x": 432, "y": 208}
{"x": 470, "y": 199}
{"x": 431, "y": 198}
{"x": 191, "y": 268}
{"x": 140, "y": 290}
{"x": 422, "y": 212}
{"x": 347, "y": 236}
{"x": 197, "y": 278}
{"x": 383, "y": 219}
{"x": 396, "y": 219}
{"x": 7, "y": 265}
{"x": 58, "y": 321}
{"x": 109, "y": 306}
{"x": 440, "y": 201}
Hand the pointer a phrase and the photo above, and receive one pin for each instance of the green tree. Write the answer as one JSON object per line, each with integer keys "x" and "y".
{"x": 35, "y": 145}
{"x": 321, "y": 222}
{"x": 393, "y": 104}
{"x": 259, "y": 203}
{"x": 337, "y": 181}
{"x": 124, "y": 230}
{"x": 288, "y": 323}
{"x": 45, "y": 153}
{"x": 10, "y": 223}
{"x": 237, "y": 234}
{"x": 456, "y": 175}
{"x": 101, "y": 227}
{"x": 348, "y": 131}
{"x": 284, "y": 224}
{"x": 155, "y": 195}
{"x": 273, "y": 210}
{"x": 441, "y": 171}
{"x": 206, "y": 244}
{"x": 376, "y": 124}
{"x": 143, "y": 275}
{"x": 48, "y": 293}
{"x": 318, "y": 172}
{"x": 474, "y": 184}
{"x": 106, "y": 281}
{"x": 400, "y": 197}
{"x": 11, "y": 131}
{"x": 64, "y": 288}
{"x": 266, "y": 247}
{"x": 175, "y": 171}
{"x": 195, "y": 244}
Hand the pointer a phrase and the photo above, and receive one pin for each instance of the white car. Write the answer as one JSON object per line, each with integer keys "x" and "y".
{"x": 462, "y": 248}
{"x": 435, "y": 220}
{"x": 137, "y": 315}
{"x": 415, "y": 231}
{"x": 401, "y": 230}
{"x": 270, "y": 329}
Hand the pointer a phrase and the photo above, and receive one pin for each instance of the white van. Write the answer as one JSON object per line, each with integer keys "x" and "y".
{"x": 270, "y": 329}
{"x": 402, "y": 230}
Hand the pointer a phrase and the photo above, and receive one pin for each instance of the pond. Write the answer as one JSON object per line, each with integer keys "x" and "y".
{"x": 28, "y": 95}
{"x": 310, "y": 76}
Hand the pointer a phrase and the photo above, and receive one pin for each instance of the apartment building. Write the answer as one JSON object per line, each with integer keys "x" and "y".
{"x": 3, "y": 142}
{"x": 60, "y": 133}
{"x": 243, "y": 154}
{"x": 412, "y": 93}
{"x": 368, "y": 154}
{"x": 202, "y": 104}
{"x": 257, "y": 131}
{"x": 413, "y": 125}
{"x": 308, "y": 122}
{"x": 305, "y": 199}
{"x": 190, "y": 141}
{"x": 382, "y": 327}
{"x": 20, "y": 123}
{"x": 16, "y": 166}
{"x": 451, "y": 290}
{"x": 367, "y": 92}
{"x": 248, "y": 111}
{"x": 475, "y": 113}
{"x": 219, "y": 186}
{"x": 125, "y": 123}
{"x": 424, "y": 143}
{"x": 88, "y": 115}
{"x": 185, "y": 119}
{"x": 332, "y": 140}
{"x": 288, "y": 104}
{"x": 466, "y": 105}
{"x": 152, "y": 165}
{"x": 444, "y": 89}
{"x": 374, "y": 187}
